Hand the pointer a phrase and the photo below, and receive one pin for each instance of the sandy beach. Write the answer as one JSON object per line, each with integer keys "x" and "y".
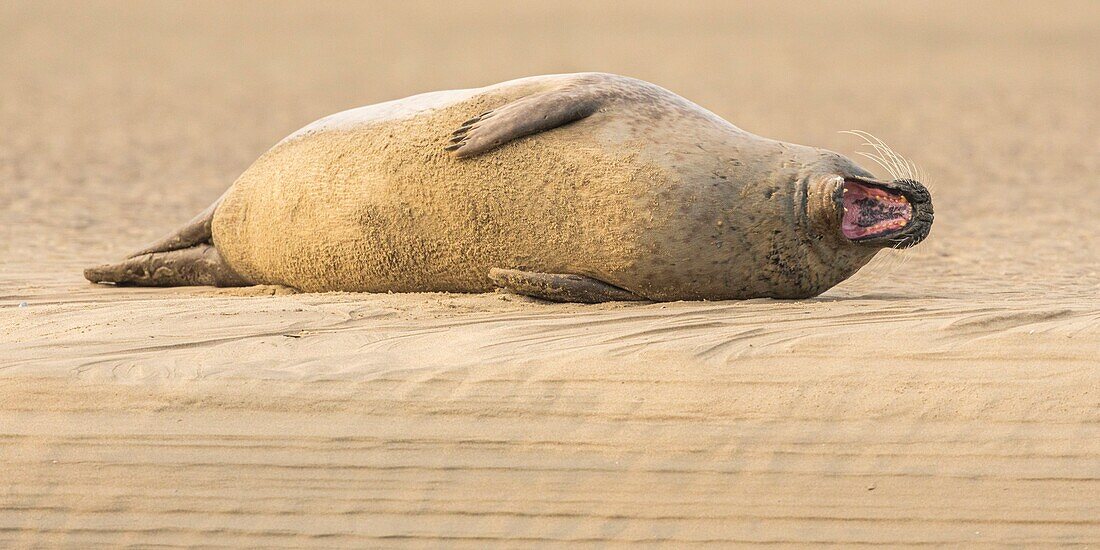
{"x": 945, "y": 395}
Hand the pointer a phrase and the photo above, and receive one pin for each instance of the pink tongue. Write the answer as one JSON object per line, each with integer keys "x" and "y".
{"x": 871, "y": 211}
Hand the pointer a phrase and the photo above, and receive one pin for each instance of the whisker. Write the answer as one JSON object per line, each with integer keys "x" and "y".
{"x": 903, "y": 165}
{"x": 891, "y": 167}
{"x": 879, "y": 161}
{"x": 890, "y": 160}
{"x": 878, "y": 153}
{"x": 898, "y": 159}
{"x": 922, "y": 177}
{"x": 884, "y": 265}
{"x": 886, "y": 156}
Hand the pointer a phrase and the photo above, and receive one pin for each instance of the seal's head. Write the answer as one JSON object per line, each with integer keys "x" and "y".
{"x": 858, "y": 215}
{"x": 896, "y": 214}
{"x": 847, "y": 217}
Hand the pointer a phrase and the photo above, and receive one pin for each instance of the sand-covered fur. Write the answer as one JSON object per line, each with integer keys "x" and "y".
{"x": 382, "y": 207}
{"x": 651, "y": 193}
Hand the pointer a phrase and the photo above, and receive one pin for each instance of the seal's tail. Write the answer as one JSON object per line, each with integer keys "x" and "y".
{"x": 185, "y": 257}
{"x": 199, "y": 265}
{"x": 196, "y": 231}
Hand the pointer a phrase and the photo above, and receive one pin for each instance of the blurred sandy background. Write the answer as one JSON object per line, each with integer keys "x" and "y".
{"x": 945, "y": 395}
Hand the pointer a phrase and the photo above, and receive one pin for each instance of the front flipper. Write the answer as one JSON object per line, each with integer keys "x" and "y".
{"x": 523, "y": 117}
{"x": 558, "y": 287}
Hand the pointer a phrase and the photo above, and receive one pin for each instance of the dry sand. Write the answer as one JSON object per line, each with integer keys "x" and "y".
{"x": 951, "y": 399}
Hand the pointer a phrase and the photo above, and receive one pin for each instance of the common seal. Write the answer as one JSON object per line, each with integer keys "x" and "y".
{"x": 581, "y": 187}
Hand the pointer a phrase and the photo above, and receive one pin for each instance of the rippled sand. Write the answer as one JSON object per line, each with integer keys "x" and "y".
{"x": 945, "y": 395}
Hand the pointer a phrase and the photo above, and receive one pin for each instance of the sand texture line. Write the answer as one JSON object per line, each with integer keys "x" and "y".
{"x": 349, "y": 421}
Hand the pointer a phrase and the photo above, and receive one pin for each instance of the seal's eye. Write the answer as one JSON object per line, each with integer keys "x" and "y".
{"x": 871, "y": 211}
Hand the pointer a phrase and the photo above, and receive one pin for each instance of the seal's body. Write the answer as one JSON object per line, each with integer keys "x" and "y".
{"x": 585, "y": 187}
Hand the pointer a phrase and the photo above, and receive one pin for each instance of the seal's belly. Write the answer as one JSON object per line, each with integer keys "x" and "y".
{"x": 382, "y": 208}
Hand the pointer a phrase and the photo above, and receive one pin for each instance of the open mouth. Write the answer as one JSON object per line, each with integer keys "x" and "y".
{"x": 872, "y": 212}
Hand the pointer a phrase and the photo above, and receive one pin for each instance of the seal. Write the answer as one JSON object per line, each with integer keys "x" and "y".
{"x": 582, "y": 187}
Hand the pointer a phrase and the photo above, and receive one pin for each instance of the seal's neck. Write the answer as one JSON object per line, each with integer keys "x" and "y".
{"x": 821, "y": 183}
{"x": 821, "y": 211}
{"x": 820, "y": 218}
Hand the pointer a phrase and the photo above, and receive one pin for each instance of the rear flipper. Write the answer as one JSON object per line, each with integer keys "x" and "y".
{"x": 194, "y": 232}
{"x": 184, "y": 257}
{"x": 558, "y": 287}
{"x": 199, "y": 265}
